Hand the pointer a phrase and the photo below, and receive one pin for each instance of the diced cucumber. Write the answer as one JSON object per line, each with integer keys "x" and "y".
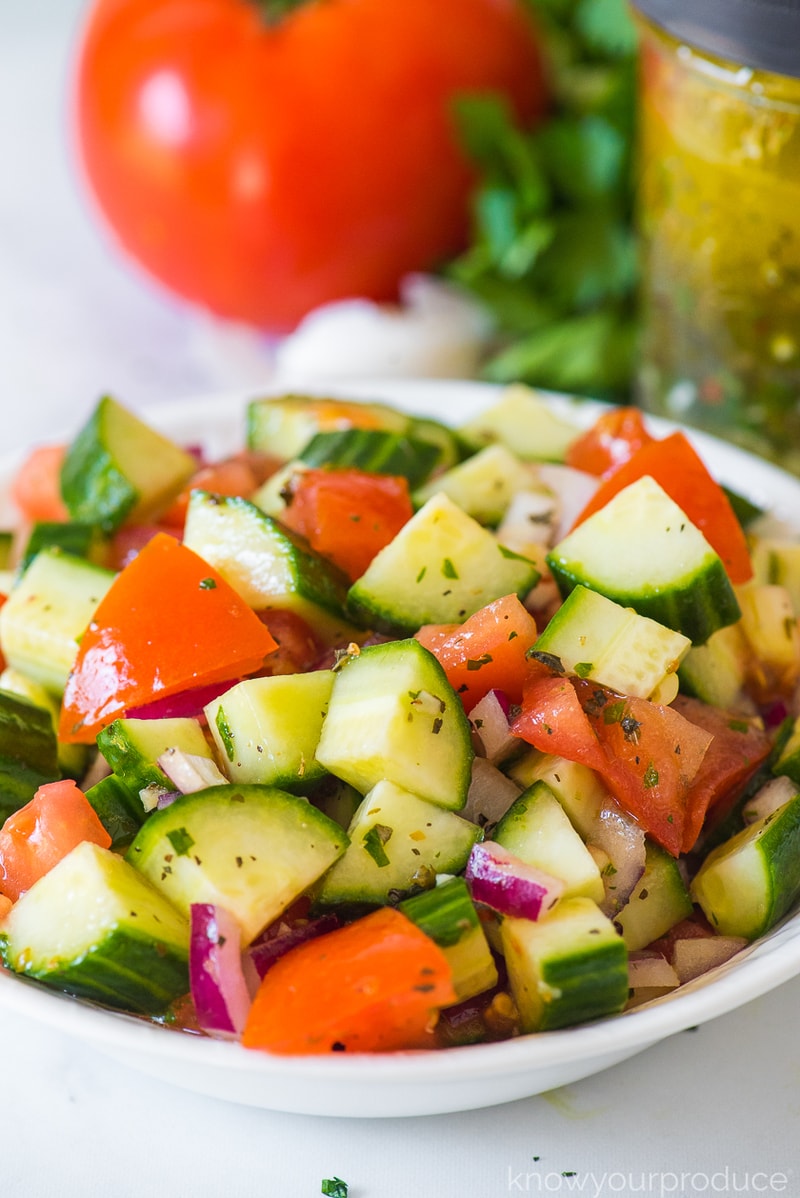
{"x": 95, "y": 927}
{"x": 746, "y": 884}
{"x": 251, "y": 849}
{"x": 771, "y": 630}
{"x": 132, "y": 749}
{"x": 120, "y": 812}
{"x": 577, "y": 788}
{"x": 594, "y": 637}
{"x": 72, "y": 759}
{"x": 283, "y": 425}
{"x": 483, "y": 485}
{"x": 46, "y": 614}
{"x": 716, "y": 671}
{"x": 777, "y": 563}
{"x": 787, "y": 754}
{"x": 564, "y": 969}
{"x": 28, "y": 757}
{"x": 659, "y": 900}
{"x": 81, "y": 540}
{"x": 523, "y": 422}
{"x": 267, "y": 729}
{"x": 447, "y": 914}
{"x": 373, "y": 450}
{"x": 450, "y": 446}
{"x": 440, "y": 568}
{"x": 119, "y": 468}
{"x": 643, "y": 552}
{"x": 336, "y": 799}
{"x": 538, "y": 831}
{"x": 269, "y": 566}
{"x": 397, "y": 842}
{"x": 6, "y": 549}
{"x": 393, "y": 715}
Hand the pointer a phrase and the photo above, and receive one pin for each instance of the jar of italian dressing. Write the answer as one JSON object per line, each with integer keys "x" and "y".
{"x": 719, "y": 215}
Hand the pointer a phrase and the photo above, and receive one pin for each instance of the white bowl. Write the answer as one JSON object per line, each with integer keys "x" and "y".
{"x": 459, "y": 1078}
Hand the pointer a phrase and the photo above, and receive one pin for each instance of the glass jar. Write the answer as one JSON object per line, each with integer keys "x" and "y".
{"x": 719, "y": 215}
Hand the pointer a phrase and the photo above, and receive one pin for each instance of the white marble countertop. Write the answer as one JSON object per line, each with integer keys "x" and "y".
{"x": 712, "y": 1111}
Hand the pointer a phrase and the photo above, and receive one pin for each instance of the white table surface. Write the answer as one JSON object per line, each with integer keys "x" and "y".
{"x": 720, "y": 1106}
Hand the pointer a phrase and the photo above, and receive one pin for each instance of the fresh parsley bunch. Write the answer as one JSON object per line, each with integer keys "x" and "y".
{"x": 554, "y": 254}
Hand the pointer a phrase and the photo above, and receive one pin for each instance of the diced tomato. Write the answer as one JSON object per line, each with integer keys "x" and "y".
{"x": 36, "y": 489}
{"x": 168, "y": 623}
{"x": 739, "y": 747}
{"x": 239, "y": 475}
{"x": 487, "y": 652}
{"x": 348, "y": 515}
{"x": 647, "y": 755}
{"x": 298, "y": 648}
{"x": 40, "y": 834}
{"x": 373, "y": 986}
{"x": 676, "y": 466}
{"x": 433, "y": 636}
{"x": 613, "y": 439}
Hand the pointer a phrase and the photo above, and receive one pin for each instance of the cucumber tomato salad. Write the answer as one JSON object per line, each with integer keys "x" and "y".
{"x": 382, "y": 734}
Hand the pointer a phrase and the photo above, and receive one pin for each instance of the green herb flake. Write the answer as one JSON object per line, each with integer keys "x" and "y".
{"x": 512, "y": 636}
{"x": 225, "y": 734}
{"x": 475, "y": 663}
{"x": 584, "y": 668}
{"x": 334, "y": 1187}
{"x": 738, "y": 725}
{"x": 181, "y": 841}
{"x": 614, "y": 713}
{"x": 650, "y": 778}
{"x": 448, "y": 569}
{"x": 208, "y": 584}
{"x": 373, "y": 842}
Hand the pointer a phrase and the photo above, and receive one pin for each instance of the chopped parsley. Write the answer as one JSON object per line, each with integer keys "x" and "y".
{"x": 181, "y": 841}
{"x": 334, "y": 1187}
{"x": 475, "y": 663}
{"x": 225, "y": 734}
{"x": 448, "y": 569}
{"x": 375, "y": 839}
{"x": 650, "y": 778}
{"x": 208, "y": 584}
{"x": 584, "y": 668}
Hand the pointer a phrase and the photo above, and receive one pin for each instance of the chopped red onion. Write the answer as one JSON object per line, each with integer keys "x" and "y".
{"x": 774, "y": 794}
{"x": 186, "y": 703}
{"x": 622, "y": 840}
{"x": 692, "y": 958}
{"x": 189, "y": 772}
{"x": 503, "y": 882}
{"x": 167, "y": 798}
{"x": 490, "y": 794}
{"x": 218, "y": 987}
{"x": 279, "y": 937}
{"x": 489, "y": 720}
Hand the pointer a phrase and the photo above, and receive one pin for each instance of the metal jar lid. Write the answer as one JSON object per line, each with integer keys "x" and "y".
{"x": 763, "y": 34}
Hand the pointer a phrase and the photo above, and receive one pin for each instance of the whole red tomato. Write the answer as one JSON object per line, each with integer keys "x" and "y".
{"x": 261, "y": 166}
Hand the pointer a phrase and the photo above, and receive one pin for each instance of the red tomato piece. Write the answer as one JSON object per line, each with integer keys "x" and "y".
{"x": 298, "y": 648}
{"x": 168, "y": 623}
{"x": 35, "y": 838}
{"x": 262, "y": 164}
{"x": 613, "y": 439}
{"x": 676, "y": 466}
{"x": 239, "y": 475}
{"x": 738, "y": 748}
{"x": 553, "y": 720}
{"x": 348, "y": 515}
{"x": 488, "y": 651}
{"x": 373, "y": 986}
{"x": 36, "y": 489}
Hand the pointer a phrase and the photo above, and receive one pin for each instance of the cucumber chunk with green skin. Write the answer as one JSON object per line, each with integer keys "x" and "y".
{"x": 120, "y": 812}
{"x": 269, "y": 566}
{"x": 538, "y": 831}
{"x": 594, "y": 637}
{"x": 118, "y": 468}
{"x": 746, "y": 884}
{"x": 567, "y": 968}
{"x": 94, "y": 927}
{"x": 578, "y": 789}
{"x": 250, "y": 849}
{"x": 716, "y": 671}
{"x": 81, "y": 540}
{"x": 394, "y": 716}
{"x": 440, "y": 568}
{"x": 642, "y": 551}
{"x": 658, "y": 901}
{"x": 482, "y": 486}
{"x": 282, "y": 425}
{"x": 46, "y": 614}
{"x": 373, "y": 450}
{"x": 132, "y": 749}
{"x": 447, "y": 914}
{"x": 267, "y": 729}
{"x": 397, "y": 842}
{"x": 28, "y": 753}
{"x": 6, "y": 549}
{"x": 525, "y": 424}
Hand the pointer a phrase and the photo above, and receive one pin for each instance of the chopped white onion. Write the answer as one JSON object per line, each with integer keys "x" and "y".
{"x": 506, "y": 884}
{"x": 490, "y": 794}
{"x": 774, "y": 794}
{"x": 489, "y": 720}
{"x": 190, "y": 772}
{"x": 574, "y": 489}
{"x": 219, "y": 990}
{"x": 622, "y": 841}
{"x": 694, "y": 957}
{"x": 650, "y": 971}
